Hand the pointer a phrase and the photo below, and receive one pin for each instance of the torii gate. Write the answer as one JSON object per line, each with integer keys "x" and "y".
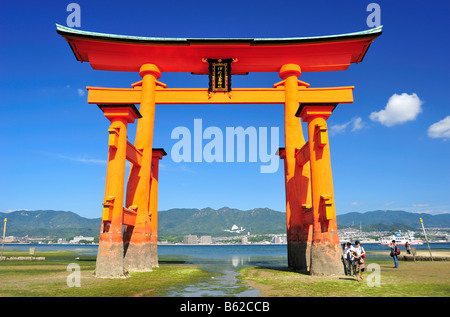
{"x": 313, "y": 243}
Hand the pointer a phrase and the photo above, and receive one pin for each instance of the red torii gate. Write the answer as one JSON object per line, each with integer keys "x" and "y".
{"x": 313, "y": 243}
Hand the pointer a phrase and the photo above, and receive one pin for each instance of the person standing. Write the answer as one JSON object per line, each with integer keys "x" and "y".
{"x": 408, "y": 248}
{"x": 394, "y": 253}
{"x": 349, "y": 258}
{"x": 358, "y": 260}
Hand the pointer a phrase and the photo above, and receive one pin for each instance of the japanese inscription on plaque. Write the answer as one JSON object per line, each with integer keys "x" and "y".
{"x": 219, "y": 74}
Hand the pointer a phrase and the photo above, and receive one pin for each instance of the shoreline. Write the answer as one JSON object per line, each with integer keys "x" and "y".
{"x": 411, "y": 279}
{"x": 176, "y": 276}
{"x": 201, "y": 244}
{"x": 437, "y": 253}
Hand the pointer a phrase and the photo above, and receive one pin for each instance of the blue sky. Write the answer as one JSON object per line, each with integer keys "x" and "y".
{"x": 389, "y": 149}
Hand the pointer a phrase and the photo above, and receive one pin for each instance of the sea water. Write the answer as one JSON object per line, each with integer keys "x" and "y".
{"x": 222, "y": 262}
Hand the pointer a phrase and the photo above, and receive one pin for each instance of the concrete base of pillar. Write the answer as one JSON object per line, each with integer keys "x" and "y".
{"x": 154, "y": 254}
{"x": 326, "y": 259}
{"x": 138, "y": 257}
{"x": 110, "y": 261}
{"x": 299, "y": 255}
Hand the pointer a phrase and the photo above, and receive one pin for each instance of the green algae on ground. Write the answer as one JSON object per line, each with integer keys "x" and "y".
{"x": 412, "y": 279}
{"x": 49, "y": 278}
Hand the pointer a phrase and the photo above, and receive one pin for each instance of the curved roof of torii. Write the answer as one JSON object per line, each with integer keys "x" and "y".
{"x": 128, "y": 53}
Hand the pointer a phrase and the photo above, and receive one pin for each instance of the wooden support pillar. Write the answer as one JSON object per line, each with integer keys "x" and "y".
{"x": 326, "y": 251}
{"x": 138, "y": 253}
{"x": 282, "y": 154}
{"x": 297, "y": 177}
{"x": 110, "y": 250}
{"x": 153, "y": 212}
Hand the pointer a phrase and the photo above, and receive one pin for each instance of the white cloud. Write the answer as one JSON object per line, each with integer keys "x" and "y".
{"x": 432, "y": 212}
{"x": 12, "y": 210}
{"x": 440, "y": 129}
{"x": 355, "y": 203}
{"x": 84, "y": 160}
{"x": 75, "y": 159}
{"x": 355, "y": 123}
{"x": 430, "y": 209}
{"x": 338, "y": 128}
{"x": 420, "y": 205}
{"x": 399, "y": 109}
{"x": 81, "y": 92}
{"x": 184, "y": 168}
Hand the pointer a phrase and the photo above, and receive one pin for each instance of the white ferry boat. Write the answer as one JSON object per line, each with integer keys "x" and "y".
{"x": 401, "y": 240}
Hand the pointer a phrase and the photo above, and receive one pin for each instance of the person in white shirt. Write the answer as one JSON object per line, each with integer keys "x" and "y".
{"x": 358, "y": 260}
{"x": 349, "y": 258}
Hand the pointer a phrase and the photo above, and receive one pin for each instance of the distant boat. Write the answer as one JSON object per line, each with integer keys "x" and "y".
{"x": 401, "y": 240}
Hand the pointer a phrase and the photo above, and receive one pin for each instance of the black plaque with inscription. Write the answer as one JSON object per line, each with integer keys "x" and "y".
{"x": 219, "y": 74}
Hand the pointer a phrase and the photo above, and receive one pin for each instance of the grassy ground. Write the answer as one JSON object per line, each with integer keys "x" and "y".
{"x": 49, "y": 278}
{"x": 411, "y": 279}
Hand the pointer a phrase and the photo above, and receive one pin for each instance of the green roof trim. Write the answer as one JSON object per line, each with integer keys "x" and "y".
{"x": 114, "y": 37}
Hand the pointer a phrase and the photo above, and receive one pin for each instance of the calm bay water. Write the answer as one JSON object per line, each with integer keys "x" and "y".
{"x": 209, "y": 251}
{"x": 221, "y": 261}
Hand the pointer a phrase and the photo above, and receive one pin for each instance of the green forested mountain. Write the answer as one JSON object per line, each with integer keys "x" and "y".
{"x": 206, "y": 221}
{"x": 393, "y": 217}
{"x": 42, "y": 223}
{"x": 173, "y": 222}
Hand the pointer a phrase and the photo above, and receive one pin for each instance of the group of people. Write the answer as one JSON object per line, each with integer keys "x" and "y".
{"x": 354, "y": 260}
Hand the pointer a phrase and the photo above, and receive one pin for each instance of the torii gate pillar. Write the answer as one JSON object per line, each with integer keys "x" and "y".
{"x": 138, "y": 253}
{"x": 157, "y": 155}
{"x": 297, "y": 178}
{"x": 110, "y": 248}
{"x": 326, "y": 252}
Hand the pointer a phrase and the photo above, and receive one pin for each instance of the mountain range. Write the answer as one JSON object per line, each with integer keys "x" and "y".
{"x": 392, "y": 217}
{"x": 43, "y": 223}
{"x": 207, "y": 221}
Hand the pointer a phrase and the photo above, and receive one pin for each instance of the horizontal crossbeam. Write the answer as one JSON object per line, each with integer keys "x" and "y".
{"x": 303, "y": 155}
{"x": 129, "y": 217}
{"x": 133, "y": 154}
{"x": 99, "y": 95}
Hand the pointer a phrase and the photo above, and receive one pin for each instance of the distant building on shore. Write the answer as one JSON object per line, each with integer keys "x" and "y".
{"x": 77, "y": 239}
{"x": 9, "y": 239}
{"x": 206, "y": 240}
{"x": 279, "y": 240}
{"x": 190, "y": 239}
